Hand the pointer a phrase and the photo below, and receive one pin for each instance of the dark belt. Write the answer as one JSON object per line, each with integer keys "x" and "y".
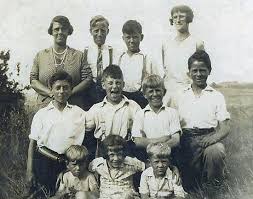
{"x": 197, "y": 131}
{"x": 51, "y": 154}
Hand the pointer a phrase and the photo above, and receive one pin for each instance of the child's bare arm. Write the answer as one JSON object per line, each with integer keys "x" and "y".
{"x": 30, "y": 162}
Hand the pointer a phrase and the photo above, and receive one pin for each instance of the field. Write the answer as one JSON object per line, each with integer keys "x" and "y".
{"x": 239, "y": 145}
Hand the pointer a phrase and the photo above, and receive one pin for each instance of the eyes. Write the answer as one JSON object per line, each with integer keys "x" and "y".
{"x": 64, "y": 88}
{"x": 117, "y": 83}
{"x": 58, "y": 29}
{"x": 102, "y": 31}
{"x": 201, "y": 71}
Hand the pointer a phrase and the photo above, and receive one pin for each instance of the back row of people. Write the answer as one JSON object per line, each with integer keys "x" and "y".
{"x": 86, "y": 67}
{"x": 202, "y": 113}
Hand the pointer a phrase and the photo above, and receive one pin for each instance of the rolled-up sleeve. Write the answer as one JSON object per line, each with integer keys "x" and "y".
{"x": 221, "y": 111}
{"x": 138, "y": 124}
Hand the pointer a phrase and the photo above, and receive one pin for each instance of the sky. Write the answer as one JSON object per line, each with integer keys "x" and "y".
{"x": 224, "y": 26}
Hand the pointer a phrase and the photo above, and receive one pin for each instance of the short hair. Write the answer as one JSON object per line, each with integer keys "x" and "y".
{"x": 152, "y": 81}
{"x": 159, "y": 150}
{"x": 96, "y": 19}
{"x": 64, "y": 21}
{"x": 112, "y": 71}
{"x": 182, "y": 8}
{"x": 201, "y": 56}
{"x": 132, "y": 26}
{"x": 60, "y": 75}
{"x": 114, "y": 143}
{"x": 76, "y": 152}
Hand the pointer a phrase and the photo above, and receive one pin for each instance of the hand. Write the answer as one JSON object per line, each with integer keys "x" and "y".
{"x": 176, "y": 175}
{"x": 209, "y": 140}
{"x": 31, "y": 180}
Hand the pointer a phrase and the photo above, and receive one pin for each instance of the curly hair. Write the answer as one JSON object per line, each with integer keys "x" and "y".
{"x": 63, "y": 21}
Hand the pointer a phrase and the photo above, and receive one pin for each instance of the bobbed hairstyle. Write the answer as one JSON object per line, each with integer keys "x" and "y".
{"x": 64, "y": 21}
{"x": 152, "y": 81}
{"x": 76, "y": 153}
{"x": 113, "y": 143}
{"x": 132, "y": 26}
{"x": 158, "y": 150}
{"x": 60, "y": 75}
{"x": 112, "y": 71}
{"x": 182, "y": 8}
{"x": 201, "y": 56}
{"x": 98, "y": 18}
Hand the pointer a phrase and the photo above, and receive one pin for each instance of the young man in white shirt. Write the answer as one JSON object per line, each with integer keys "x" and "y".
{"x": 205, "y": 121}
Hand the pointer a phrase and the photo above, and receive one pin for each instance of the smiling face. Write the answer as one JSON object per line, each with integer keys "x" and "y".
{"x": 132, "y": 41}
{"x": 60, "y": 33}
{"x": 61, "y": 90}
{"x": 159, "y": 165}
{"x": 180, "y": 21}
{"x": 199, "y": 73}
{"x": 115, "y": 157}
{"x": 155, "y": 95}
{"x": 113, "y": 88}
{"x": 99, "y": 33}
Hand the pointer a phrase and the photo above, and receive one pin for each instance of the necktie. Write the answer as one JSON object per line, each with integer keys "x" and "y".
{"x": 99, "y": 65}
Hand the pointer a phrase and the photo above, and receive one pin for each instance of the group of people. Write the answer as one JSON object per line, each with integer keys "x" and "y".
{"x": 116, "y": 125}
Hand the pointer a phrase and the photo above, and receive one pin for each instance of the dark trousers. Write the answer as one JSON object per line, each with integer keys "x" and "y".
{"x": 137, "y": 97}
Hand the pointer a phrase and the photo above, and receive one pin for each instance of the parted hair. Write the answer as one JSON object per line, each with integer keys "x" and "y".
{"x": 132, "y": 26}
{"x": 182, "y": 8}
{"x": 98, "y": 18}
{"x": 76, "y": 153}
{"x": 64, "y": 21}
{"x": 112, "y": 71}
{"x": 152, "y": 81}
{"x": 60, "y": 75}
{"x": 158, "y": 150}
{"x": 201, "y": 56}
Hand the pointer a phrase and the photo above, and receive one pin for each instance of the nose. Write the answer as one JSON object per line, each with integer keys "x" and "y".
{"x": 131, "y": 39}
{"x": 61, "y": 90}
{"x": 100, "y": 33}
{"x": 160, "y": 164}
{"x": 198, "y": 73}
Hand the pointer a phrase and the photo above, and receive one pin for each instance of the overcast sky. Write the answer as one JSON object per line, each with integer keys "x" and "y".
{"x": 225, "y": 26}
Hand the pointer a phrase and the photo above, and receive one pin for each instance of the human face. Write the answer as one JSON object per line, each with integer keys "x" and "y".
{"x": 60, "y": 33}
{"x": 113, "y": 88}
{"x": 159, "y": 165}
{"x": 133, "y": 41}
{"x": 77, "y": 167}
{"x": 61, "y": 90}
{"x": 155, "y": 96}
{"x": 99, "y": 33}
{"x": 199, "y": 74}
{"x": 180, "y": 21}
{"x": 115, "y": 159}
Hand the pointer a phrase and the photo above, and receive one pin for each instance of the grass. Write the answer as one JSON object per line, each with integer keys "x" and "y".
{"x": 239, "y": 146}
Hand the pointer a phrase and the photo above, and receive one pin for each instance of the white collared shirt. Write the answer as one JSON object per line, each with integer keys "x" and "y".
{"x": 150, "y": 185}
{"x": 93, "y": 55}
{"x": 108, "y": 119}
{"x": 203, "y": 111}
{"x": 132, "y": 69}
{"x": 58, "y": 130}
{"x": 156, "y": 125}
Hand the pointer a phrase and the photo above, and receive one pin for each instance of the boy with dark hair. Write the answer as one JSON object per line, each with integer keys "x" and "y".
{"x": 134, "y": 64}
{"x": 116, "y": 170}
{"x": 205, "y": 122}
{"x": 51, "y": 136}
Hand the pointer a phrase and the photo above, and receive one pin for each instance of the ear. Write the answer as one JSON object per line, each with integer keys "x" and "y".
{"x": 142, "y": 36}
{"x": 165, "y": 91}
{"x": 90, "y": 31}
{"x": 103, "y": 84}
{"x": 188, "y": 74}
{"x": 123, "y": 37}
{"x": 108, "y": 30}
{"x": 171, "y": 21}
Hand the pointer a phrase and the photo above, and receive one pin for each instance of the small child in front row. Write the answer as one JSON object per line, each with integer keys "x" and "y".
{"x": 77, "y": 182}
{"x": 116, "y": 170}
{"x": 157, "y": 180}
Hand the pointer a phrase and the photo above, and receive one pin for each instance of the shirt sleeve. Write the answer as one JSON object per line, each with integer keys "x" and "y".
{"x": 34, "y": 74}
{"x": 36, "y": 127}
{"x": 221, "y": 110}
{"x": 174, "y": 122}
{"x": 93, "y": 185}
{"x": 178, "y": 190}
{"x": 63, "y": 183}
{"x": 138, "y": 124}
{"x": 144, "y": 189}
{"x": 85, "y": 68}
{"x": 81, "y": 131}
{"x": 90, "y": 119}
{"x": 139, "y": 165}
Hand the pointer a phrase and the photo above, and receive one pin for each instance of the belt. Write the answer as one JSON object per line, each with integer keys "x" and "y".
{"x": 197, "y": 131}
{"x": 51, "y": 154}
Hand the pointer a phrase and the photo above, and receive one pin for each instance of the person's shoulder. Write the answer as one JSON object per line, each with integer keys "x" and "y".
{"x": 214, "y": 92}
{"x": 98, "y": 162}
{"x": 76, "y": 108}
{"x": 132, "y": 103}
{"x": 170, "y": 110}
{"x": 134, "y": 162}
{"x": 44, "y": 51}
{"x": 148, "y": 172}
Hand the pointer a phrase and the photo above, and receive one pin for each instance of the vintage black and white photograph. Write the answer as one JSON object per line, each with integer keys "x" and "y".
{"x": 129, "y": 99}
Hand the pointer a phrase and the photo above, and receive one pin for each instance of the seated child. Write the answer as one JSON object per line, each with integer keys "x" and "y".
{"x": 156, "y": 123}
{"x": 116, "y": 170}
{"x": 157, "y": 180}
{"x": 135, "y": 64}
{"x": 77, "y": 182}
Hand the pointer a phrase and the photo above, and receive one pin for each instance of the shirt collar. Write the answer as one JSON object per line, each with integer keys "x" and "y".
{"x": 148, "y": 108}
{"x": 51, "y": 106}
{"x": 208, "y": 88}
{"x": 94, "y": 45}
{"x": 123, "y": 101}
{"x": 150, "y": 173}
{"x": 138, "y": 53}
